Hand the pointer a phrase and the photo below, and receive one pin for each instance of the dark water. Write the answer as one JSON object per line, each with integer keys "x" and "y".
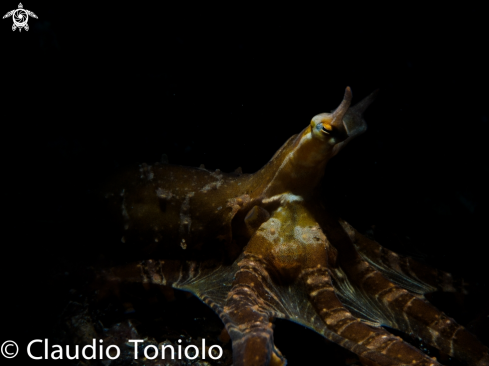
{"x": 89, "y": 88}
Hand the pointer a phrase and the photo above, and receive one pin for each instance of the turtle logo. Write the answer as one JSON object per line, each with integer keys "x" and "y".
{"x": 20, "y": 17}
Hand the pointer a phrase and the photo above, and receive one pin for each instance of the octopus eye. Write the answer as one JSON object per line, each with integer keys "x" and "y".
{"x": 327, "y": 131}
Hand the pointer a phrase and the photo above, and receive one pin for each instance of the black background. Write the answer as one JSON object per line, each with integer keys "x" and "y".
{"x": 91, "y": 87}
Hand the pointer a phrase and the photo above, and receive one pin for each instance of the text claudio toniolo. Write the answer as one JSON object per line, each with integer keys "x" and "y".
{"x": 97, "y": 350}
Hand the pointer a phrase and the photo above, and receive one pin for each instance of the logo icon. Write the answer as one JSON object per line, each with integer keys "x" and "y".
{"x": 20, "y": 17}
{"x": 14, "y": 349}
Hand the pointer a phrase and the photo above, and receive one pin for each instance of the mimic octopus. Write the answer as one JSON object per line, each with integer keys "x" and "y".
{"x": 255, "y": 247}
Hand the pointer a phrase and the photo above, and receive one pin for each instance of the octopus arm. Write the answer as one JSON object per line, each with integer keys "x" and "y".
{"x": 410, "y": 313}
{"x": 251, "y": 306}
{"x": 209, "y": 280}
{"x": 413, "y": 315}
{"x": 402, "y": 270}
{"x": 239, "y": 294}
{"x": 373, "y": 345}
